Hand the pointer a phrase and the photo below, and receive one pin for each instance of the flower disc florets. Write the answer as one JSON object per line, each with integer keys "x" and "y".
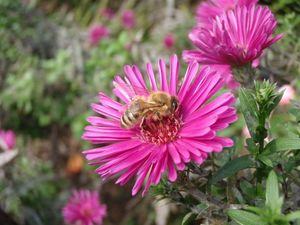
{"x": 161, "y": 131}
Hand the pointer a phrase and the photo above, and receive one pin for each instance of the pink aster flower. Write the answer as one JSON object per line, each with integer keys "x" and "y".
{"x": 169, "y": 41}
{"x": 97, "y": 33}
{"x": 108, "y": 13}
{"x": 208, "y": 10}
{"x": 128, "y": 19}
{"x": 238, "y": 37}
{"x": 288, "y": 95}
{"x": 154, "y": 146}
{"x": 84, "y": 208}
{"x": 7, "y": 139}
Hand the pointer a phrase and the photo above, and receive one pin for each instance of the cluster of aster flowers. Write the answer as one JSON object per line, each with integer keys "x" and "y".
{"x": 98, "y": 32}
{"x": 231, "y": 34}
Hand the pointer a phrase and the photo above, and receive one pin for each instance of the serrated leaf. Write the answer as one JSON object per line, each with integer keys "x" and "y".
{"x": 283, "y": 144}
{"x": 232, "y": 167}
{"x": 244, "y": 217}
{"x": 188, "y": 219}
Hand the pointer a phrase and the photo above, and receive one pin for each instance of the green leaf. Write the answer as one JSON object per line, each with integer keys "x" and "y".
{"x": 249, "y": 109}
{"x": 273, "y": 199}
{"x": 244, "y": 217}
{"x": 255, "y": 210}
{"x": 275, "y": 102}
{"x": 272, "y": 191}
{"x": 283, "y": 144}
{"x": 188, "y": 218}
{"x": 266, "y": 160}
{"x": 293, "y": 216}
{"x": 232, "y": 167}
{"x": 251, "y": 146}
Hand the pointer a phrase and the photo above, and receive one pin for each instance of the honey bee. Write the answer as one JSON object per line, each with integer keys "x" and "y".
{"x": 156, "y": 106}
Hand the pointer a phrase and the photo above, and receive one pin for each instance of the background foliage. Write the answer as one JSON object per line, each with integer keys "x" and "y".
{"x": 49, "y": 74}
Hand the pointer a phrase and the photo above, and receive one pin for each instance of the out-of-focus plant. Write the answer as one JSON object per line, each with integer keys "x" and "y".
{"x": 45, "y": 91}
{"x": 29, "y": 196}
{"x": 43, "y": 87}
{"x": 270, "y": 213}
{"x": 237, "y": 176}
{"x": 206, "y": 193}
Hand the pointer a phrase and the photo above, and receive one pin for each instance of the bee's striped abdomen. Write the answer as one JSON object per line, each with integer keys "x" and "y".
{"x": 129, "y": 119}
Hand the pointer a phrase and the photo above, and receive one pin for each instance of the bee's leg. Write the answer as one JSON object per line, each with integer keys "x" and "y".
{"x": 156, "y": 116}
{"x": 142, "y": 122}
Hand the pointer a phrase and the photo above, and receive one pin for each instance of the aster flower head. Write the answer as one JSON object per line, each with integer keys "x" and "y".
{"x": 97, "y": 33}
{"x": 84, "y": 208}
{"x": 157, "y": 145}
{"x": 128, "y": 19}
{"x": 7, "y": 139}
{"x": 237, "y": 37}
{"x": 208, "y": 10}
{"x": 169, "y": 41}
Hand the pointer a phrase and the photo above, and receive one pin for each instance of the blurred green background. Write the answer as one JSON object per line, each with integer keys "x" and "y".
{"x": 50, "y": 72}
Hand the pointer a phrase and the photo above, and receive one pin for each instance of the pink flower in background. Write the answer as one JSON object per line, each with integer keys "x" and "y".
{"x": 97, "y": 33}
{"x": 107, "y": 13}
{"x": 84, "y": 208}
{"x": 154, "y": 146}
{"x": 8, "y": 139}
{"x": 288, "y": 95}
{"x": 128, "y": 19}
{"x": 255, "y": 63}
{"x": 237, "y": 38}
{"x": 208, "y": 10}
{"x": 169, "y": 41}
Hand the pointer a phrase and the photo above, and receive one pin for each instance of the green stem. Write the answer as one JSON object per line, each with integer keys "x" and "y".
{"x": 261, "y": 134}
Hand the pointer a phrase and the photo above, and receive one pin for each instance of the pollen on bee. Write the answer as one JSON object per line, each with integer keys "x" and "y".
{"x": 161, "y": 131}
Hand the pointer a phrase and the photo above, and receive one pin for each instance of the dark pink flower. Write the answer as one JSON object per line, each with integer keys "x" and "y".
{"x": 108, "y": 13}
{"x": 128, "y": 19}
{"x": 208, "y": 10}
{"x": 237, "y": 37}
{"x": 97, "y": 33}
{"x": 154, "y": 146}
{"x": 169, "y": 41}
{"x": 7, "y": 139}
{"x": 84, "y": 208}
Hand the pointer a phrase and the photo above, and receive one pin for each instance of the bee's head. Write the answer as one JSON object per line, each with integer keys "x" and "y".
{"x": 174, "y": 104}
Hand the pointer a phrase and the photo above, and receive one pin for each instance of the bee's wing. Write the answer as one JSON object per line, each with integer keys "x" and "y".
{"x": 131, "y": 90}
